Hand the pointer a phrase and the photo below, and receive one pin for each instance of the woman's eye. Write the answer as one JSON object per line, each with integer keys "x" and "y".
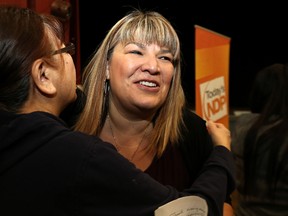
{"x": 166, "y": 58}
{"x": 136, "y": 52}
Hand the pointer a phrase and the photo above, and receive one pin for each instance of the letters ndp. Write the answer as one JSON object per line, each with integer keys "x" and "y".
{"x": 212, "y": 52}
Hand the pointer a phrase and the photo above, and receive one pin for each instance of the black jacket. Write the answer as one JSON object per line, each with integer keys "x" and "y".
{"x": 47, "y": 169}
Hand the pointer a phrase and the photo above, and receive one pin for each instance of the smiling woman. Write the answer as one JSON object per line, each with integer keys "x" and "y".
{"x": 135, "y": 101}
{"x": 143, "y": 47}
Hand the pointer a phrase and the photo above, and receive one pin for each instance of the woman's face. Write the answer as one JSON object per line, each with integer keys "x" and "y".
{"x": 140, "y": 76}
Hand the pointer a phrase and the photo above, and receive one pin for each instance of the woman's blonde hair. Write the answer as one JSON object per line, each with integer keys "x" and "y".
{"x": 147, "y": 27}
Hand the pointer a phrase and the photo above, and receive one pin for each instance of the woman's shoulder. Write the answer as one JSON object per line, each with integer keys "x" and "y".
{"x": 195, "y": 142}
{"x": 193, "y": 130}
{"x": 246, "y": 118}
{"x": 192, "y": 121}
{"x": 242, "y": 122}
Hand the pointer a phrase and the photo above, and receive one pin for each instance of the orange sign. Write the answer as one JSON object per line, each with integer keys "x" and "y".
{"x": 212, "y": 75}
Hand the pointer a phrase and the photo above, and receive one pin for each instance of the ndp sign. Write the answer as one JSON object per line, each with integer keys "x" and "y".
{"x": 213, "y": 99}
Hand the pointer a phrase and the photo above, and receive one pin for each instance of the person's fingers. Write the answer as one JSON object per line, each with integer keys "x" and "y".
{"x": 219, "y": 133}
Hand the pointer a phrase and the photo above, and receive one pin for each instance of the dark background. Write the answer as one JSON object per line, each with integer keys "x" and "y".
{"x": 258, "y": 35}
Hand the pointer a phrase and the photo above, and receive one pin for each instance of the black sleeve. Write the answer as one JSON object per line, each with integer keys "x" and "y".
{"x": 220, "y": 160}
{"x": 195, "y": 142}
{"x": 196, "y": 145}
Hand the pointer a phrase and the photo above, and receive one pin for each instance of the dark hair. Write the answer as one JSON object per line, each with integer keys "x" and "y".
{"x": 23, "y": 39}
{"x": 269, "y": 97}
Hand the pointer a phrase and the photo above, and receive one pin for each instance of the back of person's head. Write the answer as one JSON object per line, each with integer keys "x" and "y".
{"x": 266, "y": 139}
{"x": 24, "y": 37}
{"x": 270, "y": 90}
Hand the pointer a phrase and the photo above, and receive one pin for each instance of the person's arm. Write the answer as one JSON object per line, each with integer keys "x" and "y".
{"x": 216, "y": 179}
{"x": 219, "y": 140}
{"x": 112, "y": 180}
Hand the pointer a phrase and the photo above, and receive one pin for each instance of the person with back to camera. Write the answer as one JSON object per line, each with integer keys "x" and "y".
{"x": 48, "y": 169}
{"x": 136, "y": 102}
{"x": 260, "y": 146}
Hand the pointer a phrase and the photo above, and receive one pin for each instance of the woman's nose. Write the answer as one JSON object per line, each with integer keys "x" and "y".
{"x": 150, "y": 65}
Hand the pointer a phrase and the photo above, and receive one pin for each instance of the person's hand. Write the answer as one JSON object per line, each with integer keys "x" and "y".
{"x": 219, "y": 133}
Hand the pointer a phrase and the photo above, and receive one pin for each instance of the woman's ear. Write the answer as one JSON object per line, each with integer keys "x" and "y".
{"x": 42, "y": 77}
